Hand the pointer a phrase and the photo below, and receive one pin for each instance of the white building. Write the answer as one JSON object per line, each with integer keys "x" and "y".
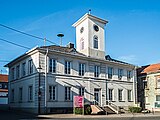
{"x": 46, "y": 78}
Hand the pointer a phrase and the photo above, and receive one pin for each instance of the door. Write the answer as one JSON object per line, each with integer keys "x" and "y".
{"x": 97, "y": 97}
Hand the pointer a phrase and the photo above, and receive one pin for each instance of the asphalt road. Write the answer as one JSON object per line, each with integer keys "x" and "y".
{"x": 14, "y": 115}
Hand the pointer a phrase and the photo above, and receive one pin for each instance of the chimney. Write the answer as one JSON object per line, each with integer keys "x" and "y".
{"x": 70, "y": 45}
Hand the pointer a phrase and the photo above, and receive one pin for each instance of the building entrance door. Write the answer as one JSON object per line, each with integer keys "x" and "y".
{"x": 97, "y": 97}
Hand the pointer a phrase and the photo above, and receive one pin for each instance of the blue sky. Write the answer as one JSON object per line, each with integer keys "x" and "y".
{"x": 132, "y": 34}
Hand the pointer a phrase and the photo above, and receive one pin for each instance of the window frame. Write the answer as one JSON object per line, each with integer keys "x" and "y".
{"x": 95, "y": 42}
{"x": 82, "y": 67}
{"x": 52, "y": 93}
{"x": 96, "y": 71}
{"x": 30, "y": 93}
{"x": 67, "y": 93}
{"x": 120, "y": 95}
{"x": 110, "y": 75}
{"x": 110, "y": 96}
{"x": 67, "y": 67}
{"x": 52, "y": 65}
{"x": 81, "y": 91}
{"x": 120, "y": 73}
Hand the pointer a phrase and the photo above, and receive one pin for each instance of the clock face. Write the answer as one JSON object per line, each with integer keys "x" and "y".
{"x": 82, "y": 29}
{"x": 96, "y": 28}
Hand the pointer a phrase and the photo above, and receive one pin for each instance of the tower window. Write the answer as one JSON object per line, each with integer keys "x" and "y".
{"x": 95, "y": 41}
{"x": 82, "y": 43}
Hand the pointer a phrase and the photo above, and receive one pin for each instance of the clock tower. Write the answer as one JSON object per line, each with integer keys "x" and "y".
{"x": 90, "y": 36}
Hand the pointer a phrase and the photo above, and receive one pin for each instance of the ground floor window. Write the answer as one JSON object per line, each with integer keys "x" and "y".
{"x": 52, "y": 92}
{"x": 129, "y": 95}
{"x": 30, "y": 93}
{"x": 110, "y": 94}
{"x": 120, "y": 91}
{"x": 81, "y": 91}
{"x": 157, "y": 97}
{"x": 67, "y": 93}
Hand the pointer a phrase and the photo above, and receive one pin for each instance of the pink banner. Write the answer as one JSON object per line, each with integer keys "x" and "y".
{"x": 78, "y": 101}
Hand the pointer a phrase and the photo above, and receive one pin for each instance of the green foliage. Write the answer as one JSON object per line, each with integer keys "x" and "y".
{"x": 87, "y": 110}
{"x": 135, "y": 109}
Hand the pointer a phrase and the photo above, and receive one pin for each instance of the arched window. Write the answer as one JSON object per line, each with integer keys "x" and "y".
{"x": 95, "y": 42}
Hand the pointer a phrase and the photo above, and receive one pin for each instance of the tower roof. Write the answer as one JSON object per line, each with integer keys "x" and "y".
{"x": 87, "y": 15}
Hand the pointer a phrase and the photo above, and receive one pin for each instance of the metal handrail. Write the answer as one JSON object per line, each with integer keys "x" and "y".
{"x": 111, "y": 104}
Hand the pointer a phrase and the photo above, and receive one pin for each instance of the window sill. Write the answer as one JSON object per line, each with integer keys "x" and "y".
{"x": 121, "y": 101}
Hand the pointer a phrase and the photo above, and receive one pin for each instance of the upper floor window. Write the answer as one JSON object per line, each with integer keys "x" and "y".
{"x": 158, "y": 83}
{"x": 1, "y": 86}
{"x": 67, "y": 67}
{"x": 13, "y": 73}
{"x": 120, "y": 73}
{"x": 81, "y": 91}
{"x": 96, "y": 71}
{"x": 24, "y": 69}
{"x": 81, "y": 69}
{"x": 17, "y": 71}
{"x": 30, "y": 66}
{"x": 110, "y": 72}
{"x": 128, "y": 75}
{"x": 52, "y": 65}
{"x": 81, "y": 43}
{"x": 95, "y": 42}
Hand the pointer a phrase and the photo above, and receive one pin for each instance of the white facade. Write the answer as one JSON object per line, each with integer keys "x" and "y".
{"x": 66, "y": 72}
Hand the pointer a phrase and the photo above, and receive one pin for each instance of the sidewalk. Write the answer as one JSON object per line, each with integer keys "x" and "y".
{"x": 99, "y": 116}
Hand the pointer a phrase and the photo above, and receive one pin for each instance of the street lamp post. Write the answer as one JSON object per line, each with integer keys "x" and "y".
{"x": 39, "y": 90}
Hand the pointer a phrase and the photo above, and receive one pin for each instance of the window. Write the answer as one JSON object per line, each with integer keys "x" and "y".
{"x": 81, "y": 43}
{"x": 158, "y": 83}
{"x": 157, "y": 97}
{"x": 13, "y": 73}
{"x": 120, "y": 73}
{"x": 67, "y": 93}
{"x": 30, "y": 66}
{"x": 17, "y": 71}
{"x": 52, "y": 65}
{"x": 81, "y": 91}
{"x": 129, "y": 95}
{"x": 128, "y": 75}
{"x": 120, "y": 94}
{"x": 23, "y": 69}
{"x": 81, "y": 69}
{"x": 12, "y": 95}
{"x": 96, "y": 71}
{"x": 110, "y": 72}
{"x": 67, "y": 67}
{"x": 52, "y": 93}
{"x": 30, "y": 93}
{"x": 110, "y": 94}
{"x": 95, "y": 38}
{"x": 20, "y": 94}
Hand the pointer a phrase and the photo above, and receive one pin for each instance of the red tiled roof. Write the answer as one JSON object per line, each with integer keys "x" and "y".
{"x": 152, "y": 68}
{"x": 3, "y": 78}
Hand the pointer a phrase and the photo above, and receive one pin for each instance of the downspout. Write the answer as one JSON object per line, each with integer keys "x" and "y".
{"x": 46, "y": 80}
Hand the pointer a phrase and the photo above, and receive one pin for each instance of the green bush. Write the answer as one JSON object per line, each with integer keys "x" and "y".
{"x": 135, "y": 109}
{"x": 87, "y": 110}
